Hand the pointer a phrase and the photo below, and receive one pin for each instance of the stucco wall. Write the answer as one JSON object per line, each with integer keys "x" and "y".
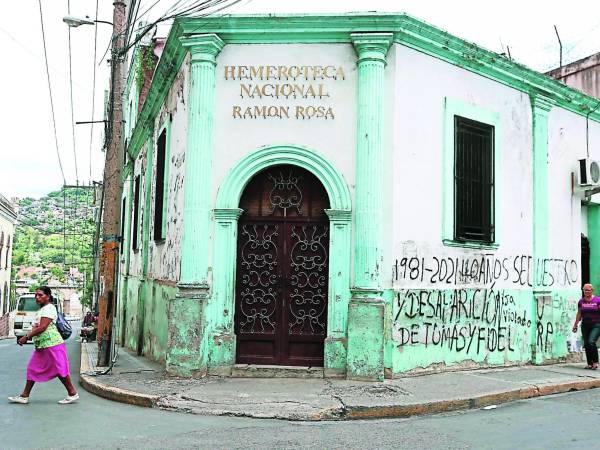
{"x": 165, "y": 255}
{"x": 467, "y": 306}
{"x": 333, "y": 138}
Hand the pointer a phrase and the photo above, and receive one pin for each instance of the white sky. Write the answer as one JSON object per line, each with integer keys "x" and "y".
{"x": 28, "y": 160}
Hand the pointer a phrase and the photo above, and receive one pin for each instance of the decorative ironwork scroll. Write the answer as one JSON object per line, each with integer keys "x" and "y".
{"x": 308, "y": 279}
{"x": 285, "y": 193}
{"x": 259, "y": 278}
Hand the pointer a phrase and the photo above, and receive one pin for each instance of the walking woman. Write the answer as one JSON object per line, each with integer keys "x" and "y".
{"x": 49, "y": 359}
{"x": 588, "y": 312}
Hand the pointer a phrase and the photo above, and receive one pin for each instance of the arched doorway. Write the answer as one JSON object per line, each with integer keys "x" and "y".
{"x": 282, "y": 269}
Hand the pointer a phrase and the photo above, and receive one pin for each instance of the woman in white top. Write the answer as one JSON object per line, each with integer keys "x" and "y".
{"x": 49, "y": 359}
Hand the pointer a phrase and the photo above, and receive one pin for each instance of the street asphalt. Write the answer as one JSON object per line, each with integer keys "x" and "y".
{"x": 553, "y": 422}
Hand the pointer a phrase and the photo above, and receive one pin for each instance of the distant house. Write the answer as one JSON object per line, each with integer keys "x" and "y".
{"x": 8, "y": 220}
{"x": 583, "y": 74}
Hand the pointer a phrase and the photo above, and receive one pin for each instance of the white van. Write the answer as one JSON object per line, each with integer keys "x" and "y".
{"x": 25, "y": 314}
{"x": 26, "y": 311}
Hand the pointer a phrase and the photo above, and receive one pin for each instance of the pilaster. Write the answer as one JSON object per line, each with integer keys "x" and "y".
{"x": 541, "y": 308}
{"x": 198, "y": 158}
{"x": 366, "y": 309}
{"x": 371, "y": 49}
{"x": 187, "y": 349}
{"x": 221, "y": 307}
{"x": 340, "y": 223}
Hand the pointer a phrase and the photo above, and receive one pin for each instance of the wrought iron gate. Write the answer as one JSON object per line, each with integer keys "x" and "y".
{"x": 282, "y": 269}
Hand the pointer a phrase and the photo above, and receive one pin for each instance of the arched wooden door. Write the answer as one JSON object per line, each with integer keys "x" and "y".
{"x": 282, "y": 269}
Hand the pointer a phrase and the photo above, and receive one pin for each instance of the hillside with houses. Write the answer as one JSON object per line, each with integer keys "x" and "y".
{"x": 54, "y": 240}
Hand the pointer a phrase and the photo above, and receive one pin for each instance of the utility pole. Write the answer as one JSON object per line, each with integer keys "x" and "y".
{"x": 111, "y": 218}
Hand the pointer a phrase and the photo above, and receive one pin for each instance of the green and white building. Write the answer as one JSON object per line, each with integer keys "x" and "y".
{"x": 362, "y": 193}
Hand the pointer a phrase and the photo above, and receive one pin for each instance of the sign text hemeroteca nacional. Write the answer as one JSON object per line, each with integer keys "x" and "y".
{"x": 283, "y": 84}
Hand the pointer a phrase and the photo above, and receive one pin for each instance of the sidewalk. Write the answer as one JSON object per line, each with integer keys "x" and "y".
{"x": 139, "y": 381}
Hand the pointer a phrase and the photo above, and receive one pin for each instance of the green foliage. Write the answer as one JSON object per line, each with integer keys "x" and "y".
{"x": 147, "y": 61}
{"x": 56, "y": 233}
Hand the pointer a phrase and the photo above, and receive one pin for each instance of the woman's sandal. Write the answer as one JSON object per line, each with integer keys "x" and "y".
{"x": 589, "y": 366}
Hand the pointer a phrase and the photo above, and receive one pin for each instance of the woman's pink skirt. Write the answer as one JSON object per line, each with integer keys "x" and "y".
{"x": 48, "y": 363}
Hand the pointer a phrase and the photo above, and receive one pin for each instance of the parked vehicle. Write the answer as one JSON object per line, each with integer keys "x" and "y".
{"x": 25, "y": 314}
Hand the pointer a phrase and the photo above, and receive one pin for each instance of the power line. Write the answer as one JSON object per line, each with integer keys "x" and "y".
{"x": 50, "y": 92}
{"x": 93, "y": 87}
{"x": 71, "y": 90}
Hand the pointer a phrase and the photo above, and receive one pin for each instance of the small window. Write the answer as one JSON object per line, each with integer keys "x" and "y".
{"x": 136, "y": 211}
{"x": 161, "y": 184}
{"x": 473, "y": 181}
{"x": 123, "y": 205}
{"x": 7, "y": 252}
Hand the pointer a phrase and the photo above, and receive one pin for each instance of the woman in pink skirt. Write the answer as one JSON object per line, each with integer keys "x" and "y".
{"x": 49, "y": 359}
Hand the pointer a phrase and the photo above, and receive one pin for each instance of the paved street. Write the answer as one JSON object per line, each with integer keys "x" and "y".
{"x": 548, "y": 422}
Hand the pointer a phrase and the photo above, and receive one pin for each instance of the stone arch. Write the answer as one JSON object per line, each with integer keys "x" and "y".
{"x": 221, "y": 351}
{"x": 239, "y": 176}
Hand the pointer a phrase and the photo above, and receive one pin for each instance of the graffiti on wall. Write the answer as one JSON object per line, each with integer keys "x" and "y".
{"x": 485, "y": 269}
{"x": 460, "y": 320}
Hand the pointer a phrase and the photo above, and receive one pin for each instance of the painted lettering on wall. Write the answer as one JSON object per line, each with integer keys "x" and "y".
{"x": 485, "y": 269}
{"x": 285, "y": 83}
{"x": 460, "y": 320}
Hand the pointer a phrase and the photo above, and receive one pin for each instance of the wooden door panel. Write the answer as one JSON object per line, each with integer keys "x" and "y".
{"x": 258, "y": 292}
{"x": 282, "y": 269}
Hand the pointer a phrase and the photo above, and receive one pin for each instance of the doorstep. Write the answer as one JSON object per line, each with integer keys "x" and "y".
{"x": 272, "y": 371}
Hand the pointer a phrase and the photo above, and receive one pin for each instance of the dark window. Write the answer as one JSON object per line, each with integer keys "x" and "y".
{"x": 161, "y": 150}
{"x": 7, "y": 252}
{"x": 473, "y": 181}
{"x": 136, "y": 210}
{"x": 123, "y": 203}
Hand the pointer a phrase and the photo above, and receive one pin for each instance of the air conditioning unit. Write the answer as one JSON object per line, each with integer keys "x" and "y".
{"x": 589, "y": 172}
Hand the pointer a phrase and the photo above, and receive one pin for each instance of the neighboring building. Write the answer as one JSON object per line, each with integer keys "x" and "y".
{"x": 583, "y": 74}
{"x": 8, "y": 220}
{"x": 364, "y": 193}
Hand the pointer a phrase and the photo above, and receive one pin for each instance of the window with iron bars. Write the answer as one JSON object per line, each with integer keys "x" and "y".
{"x": 473, "y": 181}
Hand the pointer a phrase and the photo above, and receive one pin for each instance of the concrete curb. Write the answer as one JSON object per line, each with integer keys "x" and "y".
{"x": 345, "y": 412}
{"x": 396, "y": 411}
{"x": 95, "y": 386}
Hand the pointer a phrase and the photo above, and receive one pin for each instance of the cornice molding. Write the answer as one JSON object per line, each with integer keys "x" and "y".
{"x": 406, "y": 30}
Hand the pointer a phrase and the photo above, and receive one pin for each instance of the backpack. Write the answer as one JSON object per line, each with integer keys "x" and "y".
{"x": 63, "y": 327}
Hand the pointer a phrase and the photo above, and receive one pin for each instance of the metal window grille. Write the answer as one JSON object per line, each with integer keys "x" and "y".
{"x": 136, "y": 211}
{"x": 123, "y": 205}
{"x": 161, "y": 148}
{"x": 473, "y": 181}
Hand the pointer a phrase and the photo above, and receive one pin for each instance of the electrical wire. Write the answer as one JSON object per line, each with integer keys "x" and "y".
{"x": 93, "y": 87}
{"x": 71, "y": 91}
{"x": 50, "y": 92}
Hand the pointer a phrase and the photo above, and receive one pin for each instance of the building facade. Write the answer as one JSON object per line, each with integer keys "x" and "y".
{"x": 583, "y": 74}
{"x": 8, "y": 220}
{"x": 364, "y": 193}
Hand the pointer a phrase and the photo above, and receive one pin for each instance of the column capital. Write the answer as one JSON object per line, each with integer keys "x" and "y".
{"x": 339, "y": 215}
{"x": 227, "y": 213}
{"x": 193, "y": 290}
{"x": 372, "y": 46}
{"x": 541, "y": 103}
{"x": 203, "y": 47}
